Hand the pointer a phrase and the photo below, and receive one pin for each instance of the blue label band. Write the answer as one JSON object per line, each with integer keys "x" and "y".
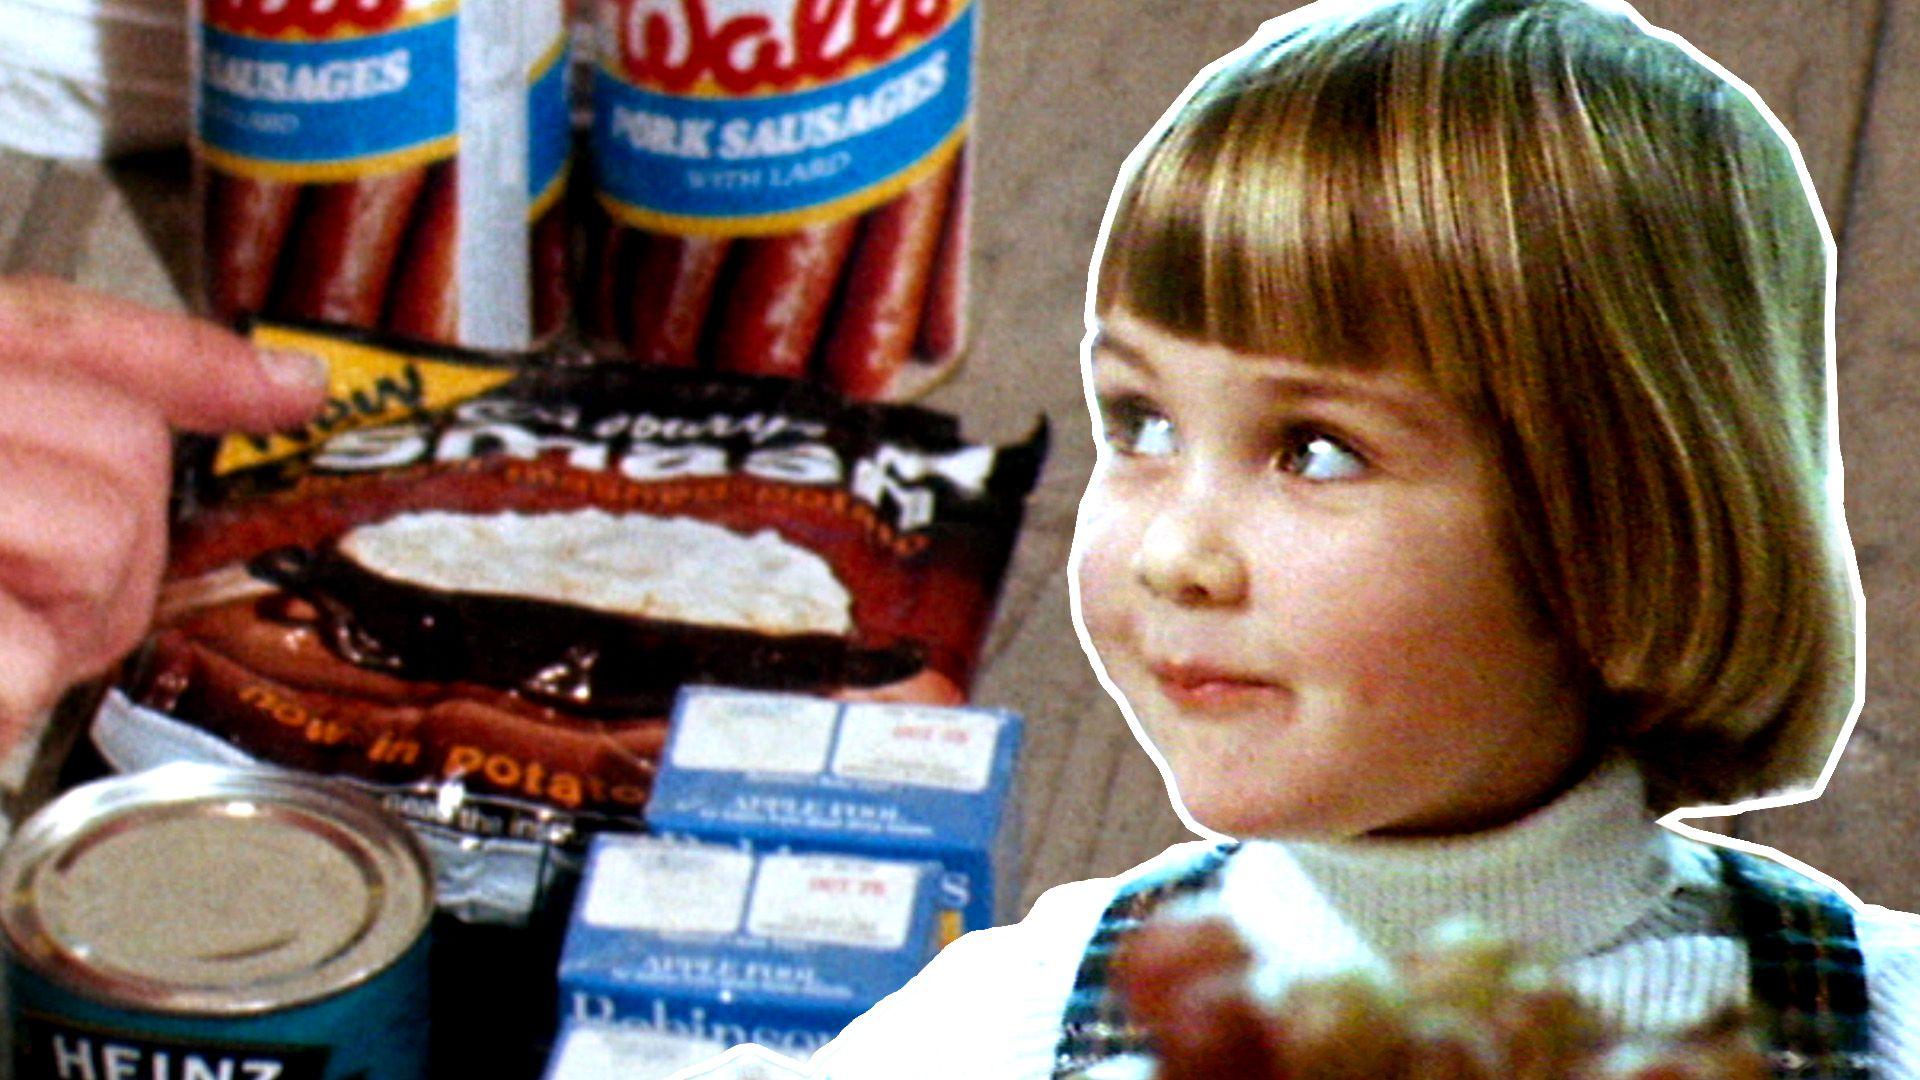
{"x": 771, "y": 164}
{"x": 320, "y": 111}
{"x": 549, "y": 129}
{"x": 376, "y": 1030}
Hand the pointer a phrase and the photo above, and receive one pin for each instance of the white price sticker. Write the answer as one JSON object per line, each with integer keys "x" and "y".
{"x": 754, "y": 733}
{"x": 866, "y": 903}
{"x": 674, "y": 888}
{"x": 924, "y": 747}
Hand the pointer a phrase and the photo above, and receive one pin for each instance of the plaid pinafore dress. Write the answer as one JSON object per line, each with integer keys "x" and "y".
{"x": 1807, "y": 975}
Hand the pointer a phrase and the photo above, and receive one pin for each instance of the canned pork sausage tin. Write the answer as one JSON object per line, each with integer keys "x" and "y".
{"x": 201, "y": 921}
{"x": 386, "y": 164}
{"x": 783, "y": 188}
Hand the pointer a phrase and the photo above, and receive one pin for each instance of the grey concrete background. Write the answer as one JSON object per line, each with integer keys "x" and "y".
{"x": 1067, "y": 89}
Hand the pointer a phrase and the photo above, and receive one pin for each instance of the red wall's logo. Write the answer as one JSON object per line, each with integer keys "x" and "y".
{"x": 320, "y": 18}
{"x": 671, "y": 45}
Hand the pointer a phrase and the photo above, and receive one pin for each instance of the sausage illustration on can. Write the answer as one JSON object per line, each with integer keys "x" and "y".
{"x": 355, "y": 165}
{"x": 784, "y": 188}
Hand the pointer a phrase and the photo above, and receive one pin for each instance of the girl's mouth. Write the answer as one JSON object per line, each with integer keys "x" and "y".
{"x": 1203, "y": 688}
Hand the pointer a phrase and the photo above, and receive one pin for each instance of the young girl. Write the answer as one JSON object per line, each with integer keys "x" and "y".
{"x": 1461, "y": 372}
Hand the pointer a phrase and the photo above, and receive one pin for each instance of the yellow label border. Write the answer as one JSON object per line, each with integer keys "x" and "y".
{"x": 550, "y": 194}
{"x": 328, "y": 172}
{"x": 547, "y": 60}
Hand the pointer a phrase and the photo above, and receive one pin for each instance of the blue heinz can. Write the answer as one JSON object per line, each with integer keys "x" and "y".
{"x": 210, "y": 922}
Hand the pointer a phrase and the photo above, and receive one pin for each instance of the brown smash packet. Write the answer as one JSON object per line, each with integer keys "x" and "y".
{"x": 476, "y": 585}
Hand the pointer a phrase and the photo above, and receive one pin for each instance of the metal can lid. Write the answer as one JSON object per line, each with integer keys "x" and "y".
{"x": 212, "y": 890}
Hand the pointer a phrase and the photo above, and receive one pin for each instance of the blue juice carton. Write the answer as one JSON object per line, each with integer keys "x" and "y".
{"x": 893, "y": 780}
{"x": 596, "y": 1050}
{"x": 720, "y": 944}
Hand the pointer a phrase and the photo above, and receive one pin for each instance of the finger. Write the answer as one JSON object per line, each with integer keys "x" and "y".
{"x": 126, "y": 615}
{"x": 66, "y": 530}
{"x": 84, "y": 552}
{"x": 30, "y": 671}
{"x": 200, "y": 375}
{"x": 81, "y": 446}
{"x": 89, "y": 422}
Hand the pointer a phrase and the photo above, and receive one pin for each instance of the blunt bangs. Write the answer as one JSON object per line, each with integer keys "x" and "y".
{"x": 1259, "y": 223}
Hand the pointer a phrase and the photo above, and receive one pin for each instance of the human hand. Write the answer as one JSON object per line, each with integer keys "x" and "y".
{"x": 91, "y": 387}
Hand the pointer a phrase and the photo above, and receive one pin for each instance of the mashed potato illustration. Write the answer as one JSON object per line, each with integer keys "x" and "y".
{"x": 638, "y": 565}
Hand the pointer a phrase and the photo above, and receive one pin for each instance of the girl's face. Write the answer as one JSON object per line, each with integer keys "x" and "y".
{"x": 1299, "y": 579}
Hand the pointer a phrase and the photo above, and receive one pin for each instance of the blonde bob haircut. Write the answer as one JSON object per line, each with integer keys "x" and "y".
{"x": 1605, "y": 252}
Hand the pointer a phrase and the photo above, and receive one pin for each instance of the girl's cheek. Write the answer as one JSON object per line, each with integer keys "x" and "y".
{"x": 1101, "y": 564}
{"x": 1100, "y": 617}
{"x": 1112, "y": 507}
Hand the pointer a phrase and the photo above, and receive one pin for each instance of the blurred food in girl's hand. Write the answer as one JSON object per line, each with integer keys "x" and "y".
{"x": 1464, "y": 1007}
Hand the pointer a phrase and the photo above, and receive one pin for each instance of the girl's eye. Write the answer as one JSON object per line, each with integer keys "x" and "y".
{"x": 1319, "y": 457}
{"x": 1132, "y": 426}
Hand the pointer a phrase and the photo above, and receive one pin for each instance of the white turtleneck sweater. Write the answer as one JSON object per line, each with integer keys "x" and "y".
{"x": 1635, "y": 916}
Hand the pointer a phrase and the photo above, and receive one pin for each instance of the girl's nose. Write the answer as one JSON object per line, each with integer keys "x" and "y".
{"x": 1183, "y": 560}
